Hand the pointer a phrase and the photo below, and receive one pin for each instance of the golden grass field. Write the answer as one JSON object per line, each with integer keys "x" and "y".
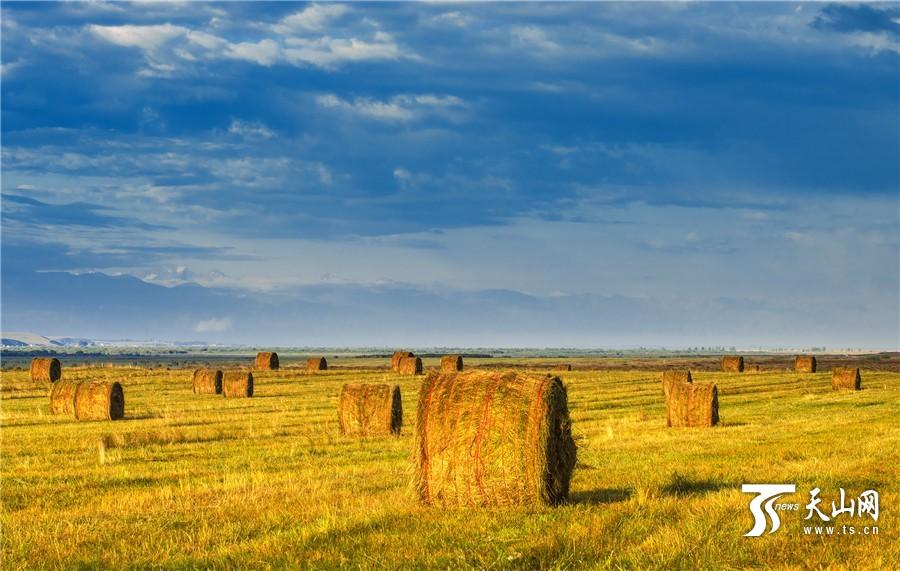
{"x": 192, "y": 482}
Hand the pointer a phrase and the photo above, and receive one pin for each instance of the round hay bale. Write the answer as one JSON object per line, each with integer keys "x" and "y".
{"x": 692, "y": 405}
{"x": 99, "y": 400}
{"x": 370, "y": 410}
{"x": 62, "y": 397}
{"x": 45, "y": 370}
{"x": 805, "y": 364}
{"x": 316, "y": 364}
{"x": 733, "y": 364}
{"x": 207, "y": 382}
{"x": 563, "y": 367}
{"x": 410, "y": 366}
{"x": 237, "y": 384}
{"x": 751, "y": 368}
{"x": 491, "y": 439}
{"x": 451, "y": 363}
{"x": 671, "y": 377}
{"x": 267, "y": 361}
{"x": 845, "y": 379}
{"x": 395, "y": 358}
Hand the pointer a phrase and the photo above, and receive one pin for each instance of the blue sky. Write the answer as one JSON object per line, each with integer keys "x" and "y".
{"x": 460, "y": 174}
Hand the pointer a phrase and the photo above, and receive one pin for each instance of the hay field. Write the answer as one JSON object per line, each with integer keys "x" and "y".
{"x": 199, "y": 481}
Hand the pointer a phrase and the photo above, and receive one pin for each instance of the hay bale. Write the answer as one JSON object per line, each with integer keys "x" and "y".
{"x": 45, "y": 370}
{"x": 88, "y": 400}
{"x": 370, "y": 410}
{"x": 692, "y": 405}
{"x": 733, "y": 364}
{"x": 671, "y": 377}
{"x": 267, "y": 361}
{"x": 237, "y": 384}
{"x": 563, "y": 367}
{"x": 410, "y": 366}
{"x": 451, "y": 363}
{"x": 805, "y": 364}
{"x": 207, "y": 382}
{"x": 395, "y": 358}
{"x": 751, "y": 368}
{"x": 62, "y": 397}
{"x": 845, "y": 379}
{"x": 99, "y": 400}
{"x": 492, "y": 438}
{"x": 316, "y": 364}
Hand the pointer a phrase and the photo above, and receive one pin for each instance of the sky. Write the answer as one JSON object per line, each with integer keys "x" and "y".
{"x": 508, "y": 174}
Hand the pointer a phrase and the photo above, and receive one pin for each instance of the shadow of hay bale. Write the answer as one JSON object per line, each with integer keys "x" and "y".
{"x": 681, "y": 485}
{"x": 600, "y": 496}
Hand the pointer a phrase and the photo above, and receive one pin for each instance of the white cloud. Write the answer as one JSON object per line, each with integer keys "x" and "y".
{"x": 534, "y": 37}
{"x": 454, "y": 18}
{"x": 251, "y": 131}
{"x": 145, "y": 37}
{"x": 328, "y": 52}
{"x": 264, "y": 52}
{"x": 402, "y": 174}
{"x": 400, "y": 108}
{"x": 215, "y": 325}
{"x": 312, "y": 18}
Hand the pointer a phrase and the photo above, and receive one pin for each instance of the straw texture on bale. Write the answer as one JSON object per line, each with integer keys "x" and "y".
{"x": 492, "y": 439}
{"x": 395, "y": 358}
{"x": 733, "y": 364}
{"x": 670, "y": 377}
{"x": 451, "y": 363}
{"x": 237, "y": 384}
{"x": 805, "y": 364}
{"x": 410, "y": 366}
{"x": 267, "y": 361}
{"x": 88, "y": 400}
{"x": 207, "y": 382}
{"x": 45, "y": 370}
{"x": 692, "y": 405}
{"x": 316, "y": 364}
{"x": 370, "y": 410}
{"x": 845, "y": 379}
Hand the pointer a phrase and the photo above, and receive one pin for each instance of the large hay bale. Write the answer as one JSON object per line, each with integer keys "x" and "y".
{"x": 395, "y": 358}
{"x": 492, "y": 438}
{"x": 316, "y": 364}
{"x": 370, "y": 410}
{"x": 410, "y": 366}
{"x": 692, "y": 405}
{"x": 207, "y": 382}
{"x": 563, "y": 367}
{"x": 267, "y": 361}
{"x": 62, "y": 397}
{"x": 99, "y": 400}
{"x": 733, "y": 364}
{"x": 671, "y": 377}
{"x": 45, "y": 370}
{"x": 805, "y": 364}
{"x": 845, "y": 379}
{"x": 451, "y": 363}
{"x": 237, "y": 384}
{"x": 88, "y": 400}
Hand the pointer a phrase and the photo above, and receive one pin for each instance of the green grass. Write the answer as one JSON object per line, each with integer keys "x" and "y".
{"x": 268, "y": 482}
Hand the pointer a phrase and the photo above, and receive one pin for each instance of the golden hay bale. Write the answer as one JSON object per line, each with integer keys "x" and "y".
{"x": 692, "y": 404}
{"x": 370, "y": 410}
{"x": 751, "y": 368}
{"x": 88, "y": 400}
{"x": 207, "y": 382}
{"x": 395, "y": 358}
{"x": 267, "y": 361}
{"x": 492, "y": 438}
{"x": 410, "y": 366}
{"x": 237, "y": 384}
{"x": 733, "y": 364}
{"x": 316, "y": 364}
{"x": 45, "y": 370}
{"x": 805, "y": 364}
{"x": 563, "y": 367}
{"x": 845, "y": 379}
{"x": 670, "y": 377}
{"x": 451, "y": 363}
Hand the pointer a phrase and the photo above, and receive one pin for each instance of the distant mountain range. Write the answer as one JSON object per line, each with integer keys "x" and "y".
{"x": 25, "y": 339}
